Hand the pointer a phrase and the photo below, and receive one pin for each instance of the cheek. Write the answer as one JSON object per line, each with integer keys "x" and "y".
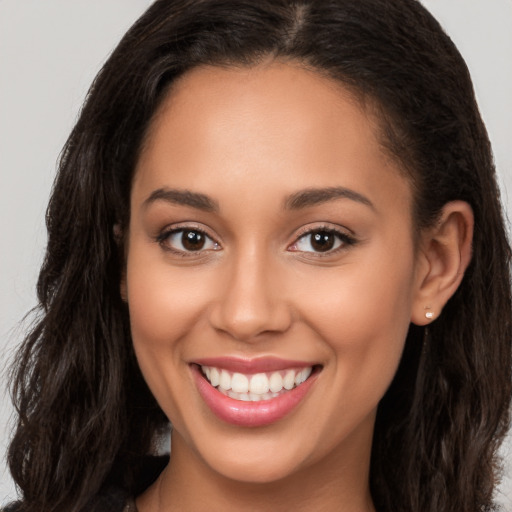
{"x": 163, "y": 304}
{"x": 362, "y": 312}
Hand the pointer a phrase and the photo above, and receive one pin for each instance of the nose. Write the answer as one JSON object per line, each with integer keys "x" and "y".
{"x": 251, "y": 301}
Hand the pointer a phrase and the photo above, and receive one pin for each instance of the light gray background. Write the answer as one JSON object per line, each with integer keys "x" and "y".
{"x": 49, "y": 53}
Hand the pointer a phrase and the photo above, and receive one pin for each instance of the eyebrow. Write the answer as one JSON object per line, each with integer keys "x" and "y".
{"x": 301, "y": 199}
{"x": 314, "y": 196}
{"x": 183, "y": 197}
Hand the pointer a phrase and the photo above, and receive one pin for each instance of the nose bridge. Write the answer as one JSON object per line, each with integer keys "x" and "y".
{"x": 250, "y": 302}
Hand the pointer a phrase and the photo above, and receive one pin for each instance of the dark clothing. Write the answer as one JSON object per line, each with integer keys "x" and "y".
{"x": 114, "y": 501}
{"x": 117, "y": 499}
{"x": 111, "y": 500}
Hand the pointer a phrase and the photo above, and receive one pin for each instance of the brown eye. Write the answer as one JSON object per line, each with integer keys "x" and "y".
{"x": 187, "y": 241}
{"x": 192, "y": 240}
{"x": 322, "y": 241}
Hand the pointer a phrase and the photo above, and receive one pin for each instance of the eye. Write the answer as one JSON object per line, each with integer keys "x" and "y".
{"x": 321, "y": 241}
{"x": 187, "y": 240}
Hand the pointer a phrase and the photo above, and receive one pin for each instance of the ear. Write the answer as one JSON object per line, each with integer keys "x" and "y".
{"x": 443, "y": 257}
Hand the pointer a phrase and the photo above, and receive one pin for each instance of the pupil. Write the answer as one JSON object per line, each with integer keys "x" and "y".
{"x": 322, "y": 241}
{"x": 192, "y": 240}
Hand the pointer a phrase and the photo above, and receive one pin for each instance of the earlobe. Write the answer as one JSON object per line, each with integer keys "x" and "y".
{"x": 444, "y": 255}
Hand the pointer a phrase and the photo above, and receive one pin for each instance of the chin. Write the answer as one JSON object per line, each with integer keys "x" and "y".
{"x": 272, "y": 469}
{"x": 260, "y": 458}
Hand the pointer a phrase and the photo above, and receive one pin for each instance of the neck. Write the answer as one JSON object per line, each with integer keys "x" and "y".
{"x": 339, "y": 481}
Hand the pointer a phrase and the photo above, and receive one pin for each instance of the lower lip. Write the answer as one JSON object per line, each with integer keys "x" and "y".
{"x": 250, "y": 414}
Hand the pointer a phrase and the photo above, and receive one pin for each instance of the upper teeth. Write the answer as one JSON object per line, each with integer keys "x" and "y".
{"x": 257, "y": 383}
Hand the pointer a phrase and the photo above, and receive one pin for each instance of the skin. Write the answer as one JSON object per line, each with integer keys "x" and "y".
{"x": 250, "y": 139}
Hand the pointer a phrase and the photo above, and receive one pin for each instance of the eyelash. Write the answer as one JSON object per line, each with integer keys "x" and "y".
{"x": 343, "y": 238}
{"x": 163, "y": 238}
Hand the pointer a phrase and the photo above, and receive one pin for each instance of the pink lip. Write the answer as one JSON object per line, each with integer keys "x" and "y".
{"x": 250, "y": 366}
{"x": 250, "y": 414}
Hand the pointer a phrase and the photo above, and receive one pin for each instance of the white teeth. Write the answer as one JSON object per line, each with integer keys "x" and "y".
{"x": 276, "y": 382}
{"x": 302, "y": 375}
{"x": 289, "y": 380}
{"x": 239, "y": 396}
{"x": 225, "y": 380}
{"x": 259, "y": 383}
{"x": 214, "y": 377}
{"x": 255, "y": 387}
{"x": 239, "y": 383}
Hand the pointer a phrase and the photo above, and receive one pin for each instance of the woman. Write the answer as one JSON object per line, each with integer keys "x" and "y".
{"x": 276, "y": 225}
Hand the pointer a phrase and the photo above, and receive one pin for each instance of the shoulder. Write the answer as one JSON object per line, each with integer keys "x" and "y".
{"x": 12, "y": 507}
{"x": 9, "y": 508}
{"x": 120, "y": 499}
{"x": 112, "y": 500}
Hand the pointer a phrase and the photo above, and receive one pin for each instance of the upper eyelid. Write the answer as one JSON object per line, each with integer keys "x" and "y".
{"x": 184, "y": 226}
{"x": 325, "y": 226}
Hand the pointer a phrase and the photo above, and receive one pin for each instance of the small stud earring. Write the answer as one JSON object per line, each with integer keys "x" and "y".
{"x": 429, "y": 314}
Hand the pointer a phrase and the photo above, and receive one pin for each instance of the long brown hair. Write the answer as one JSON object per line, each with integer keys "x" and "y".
{"x": 85, "y": 415}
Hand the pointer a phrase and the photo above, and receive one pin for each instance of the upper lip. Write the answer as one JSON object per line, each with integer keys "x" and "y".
{"x": 250, "y": 366}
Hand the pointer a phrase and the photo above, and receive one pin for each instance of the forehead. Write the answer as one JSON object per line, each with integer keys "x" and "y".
{"x": 271, "y": 127}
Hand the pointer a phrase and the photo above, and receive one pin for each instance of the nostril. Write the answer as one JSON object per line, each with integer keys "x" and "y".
{"x": 249, "y": 325}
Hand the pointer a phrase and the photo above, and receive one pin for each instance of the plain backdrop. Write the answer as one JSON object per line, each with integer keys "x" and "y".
{"x": 49, "y": 53}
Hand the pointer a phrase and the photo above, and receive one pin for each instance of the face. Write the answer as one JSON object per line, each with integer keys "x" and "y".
{"x": 270, "y": 270}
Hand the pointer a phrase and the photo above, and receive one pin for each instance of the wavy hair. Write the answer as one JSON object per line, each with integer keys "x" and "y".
{"x": 85, "y": 414}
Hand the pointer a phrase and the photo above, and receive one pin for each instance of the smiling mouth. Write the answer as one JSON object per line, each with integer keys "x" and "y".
{"x": 258, "y": 386}
{"x": 255, "y": 393}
